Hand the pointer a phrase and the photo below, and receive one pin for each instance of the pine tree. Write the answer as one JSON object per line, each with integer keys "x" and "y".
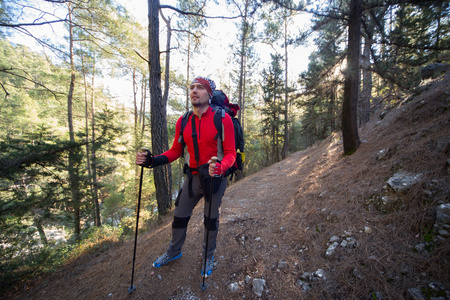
{"x": 273, "y": 91}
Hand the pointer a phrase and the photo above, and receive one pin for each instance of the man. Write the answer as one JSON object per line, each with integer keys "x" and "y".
{"x": 199, "y": 133}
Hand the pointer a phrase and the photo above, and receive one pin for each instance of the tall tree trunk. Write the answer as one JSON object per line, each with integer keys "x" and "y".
{"x": 241, "y": 66}
{"x": 351, "y": 87}
{"x": 167, "y": 65}
{"x": 162, "y": 175}
{"x": 331, "y": 106}
{"x": 73, "y": 168}
{"x": 144, "y": 104}
{"x": 188, "y": 66}
{"x": 136, "y": 111}
{"x": 94, "y": 153}
{"x": 364, "y": 103}
{"x": 86, "y": 122}
{"x": 286, "y": 100}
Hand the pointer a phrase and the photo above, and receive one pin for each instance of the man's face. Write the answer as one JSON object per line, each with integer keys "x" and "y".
{"x": 199, "y": 95}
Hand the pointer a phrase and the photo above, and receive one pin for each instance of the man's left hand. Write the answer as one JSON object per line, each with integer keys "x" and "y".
{"x": 215, "y": 169}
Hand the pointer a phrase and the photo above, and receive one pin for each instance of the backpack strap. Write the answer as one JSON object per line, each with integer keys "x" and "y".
{"x": 184, "y": 121}
{"x": 218, "y": 115}
{"x": 194, "y": 139}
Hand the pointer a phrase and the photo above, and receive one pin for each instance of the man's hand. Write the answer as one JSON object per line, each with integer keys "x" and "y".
{"x": 215, "y": 168}
{"x": 144, "y": 158}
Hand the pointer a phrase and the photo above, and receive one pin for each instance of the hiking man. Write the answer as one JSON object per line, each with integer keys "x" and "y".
{"x": 201, "y": 138}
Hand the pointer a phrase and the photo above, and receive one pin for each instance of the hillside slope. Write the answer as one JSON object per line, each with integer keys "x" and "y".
{"x": 278, "y": 225}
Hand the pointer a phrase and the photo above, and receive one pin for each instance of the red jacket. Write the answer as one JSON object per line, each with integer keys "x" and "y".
{"x": 207, "y": 144}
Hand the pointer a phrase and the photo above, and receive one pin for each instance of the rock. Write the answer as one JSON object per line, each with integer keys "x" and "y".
{"x": 382, "y": 154}
{"x": 437, "y": 287}
{"x": 334, "y": 239}
{"x": 258, "y": 286}
{"x": 247, "y": 279}
{"x": 282, "y": 264}
{"x": 422, "y": 249}
{"x": 378, "y": 296}
{"x": 414, "y": 294}
{"x": 367, "y": 230}
{"x": 330, "y": 251}
{"x": 358, "y": 274}
{"x": 306, "y": 276}
{"x": 233, "y": 287}
{"x": 443, "y": 214}
{"x": 444, "y": 233}
{"x": 352, "y": 243}
{"x": 320, "y": 273}
{"x": 433, "y": 70}
{"x": 403, "y": 180}
{"x": 442, "y": 144}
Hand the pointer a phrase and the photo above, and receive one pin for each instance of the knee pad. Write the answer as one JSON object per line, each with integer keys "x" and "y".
{"x": 180, "y": 222}
{"x": 210, "y": 224}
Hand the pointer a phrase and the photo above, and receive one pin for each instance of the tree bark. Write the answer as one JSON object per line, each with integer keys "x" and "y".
{"x": 284, "y": 151}
{"x": 364, "y": 103}
{"x": 162, "y": 175}
{"x": 352, "y": 81}
{"x": 73, "y": 169}
{"x": 94, "y": 153}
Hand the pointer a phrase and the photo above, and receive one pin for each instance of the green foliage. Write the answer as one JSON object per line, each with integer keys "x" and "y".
{"x": 273, "y": 109}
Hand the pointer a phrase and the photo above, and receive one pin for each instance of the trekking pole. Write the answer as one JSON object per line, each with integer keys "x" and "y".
{"x": 203, "y": 286}
{"x": 132, "y": 287}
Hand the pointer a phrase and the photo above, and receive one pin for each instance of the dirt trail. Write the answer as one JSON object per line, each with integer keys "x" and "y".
{"x": 248, "y": 244}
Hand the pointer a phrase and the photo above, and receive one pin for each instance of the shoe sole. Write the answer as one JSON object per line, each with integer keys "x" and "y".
{"x": 173, "y": 258}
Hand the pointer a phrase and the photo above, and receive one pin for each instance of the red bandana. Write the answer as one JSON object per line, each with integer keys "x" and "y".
{"x": 205, "y": 83}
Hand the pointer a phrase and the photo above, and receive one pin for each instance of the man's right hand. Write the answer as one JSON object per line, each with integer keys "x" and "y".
{"x": 144, "y": 158}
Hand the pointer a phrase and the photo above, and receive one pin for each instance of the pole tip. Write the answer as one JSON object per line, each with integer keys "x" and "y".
{"x": 131, "y": 288}
{"x": 203, "y": 286}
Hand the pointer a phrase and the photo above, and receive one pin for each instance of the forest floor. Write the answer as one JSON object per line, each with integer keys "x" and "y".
{"x": 276, "y": 224}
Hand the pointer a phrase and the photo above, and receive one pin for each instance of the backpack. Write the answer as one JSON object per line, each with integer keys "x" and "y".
{"x": 221, "y": 105}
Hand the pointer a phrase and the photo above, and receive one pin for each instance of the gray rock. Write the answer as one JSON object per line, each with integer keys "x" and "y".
{"x": 247, "y": 279}
{"x": 433, "y": 70}
{"x": 403, "y": 180}
{"x": 233, "y": 287}
{"x": 437, "y": 287}
{"x": 382, "y": 154}
{"x": 258, "y": 286}
{"x": 320, "y": 273}
{"x": 330, "y": 251}
{"x": 414, "y": 294}
{"x": 282, "y": 264}
{"x": 443, "y": 214}
{"x": 334, "y": 239}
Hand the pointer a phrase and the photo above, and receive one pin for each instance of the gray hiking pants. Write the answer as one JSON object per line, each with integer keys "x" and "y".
{"x": 183, "y": 212}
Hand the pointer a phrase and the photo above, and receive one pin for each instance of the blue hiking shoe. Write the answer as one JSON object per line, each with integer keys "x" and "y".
{"x": 164, "y": 259}
{"x": 210, "y": 265}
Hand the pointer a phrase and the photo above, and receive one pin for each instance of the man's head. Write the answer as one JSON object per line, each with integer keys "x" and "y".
{"x": 201, "y": 91}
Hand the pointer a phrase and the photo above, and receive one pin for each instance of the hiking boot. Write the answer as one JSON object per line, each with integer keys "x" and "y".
{"x": 164, "y": 259}
{"x": 210, "y": 264}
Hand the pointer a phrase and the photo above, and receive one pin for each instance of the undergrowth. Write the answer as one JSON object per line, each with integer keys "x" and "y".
{"x": 29, "y": 265}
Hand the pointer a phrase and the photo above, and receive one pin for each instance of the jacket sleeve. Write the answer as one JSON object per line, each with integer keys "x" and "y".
{"x": 229, "y": 150}
{"x": 174, "y": 152}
